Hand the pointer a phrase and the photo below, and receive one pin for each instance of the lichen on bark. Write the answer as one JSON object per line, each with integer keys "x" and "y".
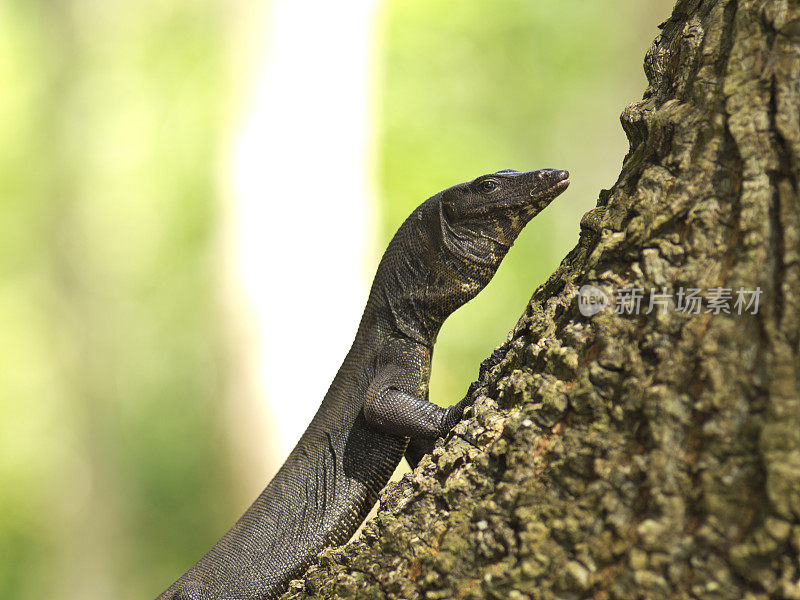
{"x": 650, "y": 455}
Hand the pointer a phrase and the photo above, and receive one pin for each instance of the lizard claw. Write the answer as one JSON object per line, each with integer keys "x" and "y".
{"x": 454, "y": 414}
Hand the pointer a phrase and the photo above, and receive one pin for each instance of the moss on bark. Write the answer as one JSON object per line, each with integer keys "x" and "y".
{"x": 651, "y": 455}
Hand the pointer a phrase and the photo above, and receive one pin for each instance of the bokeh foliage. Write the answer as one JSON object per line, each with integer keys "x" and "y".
{"x": 109, "y": 385}
{"x": 112, "y": 119}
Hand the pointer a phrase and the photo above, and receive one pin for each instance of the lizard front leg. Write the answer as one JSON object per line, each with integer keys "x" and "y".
{"x": 398, "y": 412}
{"x": 419, "y": 447}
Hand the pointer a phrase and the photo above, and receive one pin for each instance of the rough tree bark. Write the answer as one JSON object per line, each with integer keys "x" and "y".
{"x": 636, "y": 455}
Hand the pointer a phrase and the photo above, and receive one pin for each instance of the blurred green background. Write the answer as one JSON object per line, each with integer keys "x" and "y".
{"x": 115, "y": 461}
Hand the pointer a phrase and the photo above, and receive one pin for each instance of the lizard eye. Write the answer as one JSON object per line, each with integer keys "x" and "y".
{"x": 488, "y": 185}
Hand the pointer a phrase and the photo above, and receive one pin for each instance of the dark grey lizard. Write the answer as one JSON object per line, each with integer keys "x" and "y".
{"x": 440, "y": 258}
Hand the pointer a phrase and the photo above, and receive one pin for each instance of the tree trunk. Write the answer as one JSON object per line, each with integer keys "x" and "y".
{"x": 637, "y": 454}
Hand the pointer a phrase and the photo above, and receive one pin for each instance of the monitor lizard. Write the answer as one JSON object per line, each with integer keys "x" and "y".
{"x": 444, "y": 253}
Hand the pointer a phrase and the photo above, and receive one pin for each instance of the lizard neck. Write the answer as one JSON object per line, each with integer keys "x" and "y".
{"x": 423, "y": 276}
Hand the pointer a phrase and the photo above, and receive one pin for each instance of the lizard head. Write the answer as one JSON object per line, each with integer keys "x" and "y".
{"x": 450, "y": 247}
{"x": 485, "y": 215}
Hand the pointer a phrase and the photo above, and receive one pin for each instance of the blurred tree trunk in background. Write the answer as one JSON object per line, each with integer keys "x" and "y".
{"x": 646, "y": 455}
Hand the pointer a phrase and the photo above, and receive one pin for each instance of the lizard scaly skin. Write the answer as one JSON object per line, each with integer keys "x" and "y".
{"x": 440, "y": 258}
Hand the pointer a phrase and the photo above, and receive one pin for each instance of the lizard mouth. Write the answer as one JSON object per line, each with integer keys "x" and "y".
{"x": 553, "y": 189}
{"x": 547, "y": 185}
{"x": 561, "y": 185}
